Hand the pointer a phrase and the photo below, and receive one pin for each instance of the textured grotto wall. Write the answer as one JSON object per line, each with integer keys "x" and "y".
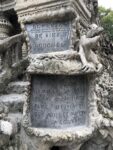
{"x": 13, "y": 97}
{"x": 103, "y": 137}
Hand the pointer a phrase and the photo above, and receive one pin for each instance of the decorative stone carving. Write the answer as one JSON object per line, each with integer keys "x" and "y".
{"x": 86, "y": 44}
{"x": 10, "y": 49}
{"x": 5, "y": 26}
{"x": 73, "y": 61}
{"x": 94, "y": 66}
{"x": 92, "y": 5}
{"x": 51, "y": 10}
{"x": 78, "y": 59}
{"x": 7, "y": 5}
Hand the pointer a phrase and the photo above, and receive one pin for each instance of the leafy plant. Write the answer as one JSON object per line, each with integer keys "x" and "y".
{"x": 106, "y": 17}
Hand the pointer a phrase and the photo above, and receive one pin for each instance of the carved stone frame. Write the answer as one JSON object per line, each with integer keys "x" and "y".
{"x": 96, "y": 120}
{"x": 62, "y": 136}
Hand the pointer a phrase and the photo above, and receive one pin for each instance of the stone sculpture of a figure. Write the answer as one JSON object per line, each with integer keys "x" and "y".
{"x": 86, "y": 43}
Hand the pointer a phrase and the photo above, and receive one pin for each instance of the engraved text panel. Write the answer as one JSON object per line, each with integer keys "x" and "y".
{"x": 49, "y": 37}
{"x": 58, "y": 101}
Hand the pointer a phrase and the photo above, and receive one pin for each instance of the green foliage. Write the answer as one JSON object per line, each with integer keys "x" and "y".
{"x": 106, "y": 16}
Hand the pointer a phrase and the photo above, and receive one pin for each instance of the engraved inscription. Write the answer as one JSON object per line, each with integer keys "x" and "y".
{"x": 58, "y": 101}
{"x": 48, "y": 37}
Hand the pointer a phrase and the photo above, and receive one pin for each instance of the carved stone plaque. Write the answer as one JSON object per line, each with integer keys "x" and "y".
{"x": 58, "y": 101}
{"x": 49, "y": 37}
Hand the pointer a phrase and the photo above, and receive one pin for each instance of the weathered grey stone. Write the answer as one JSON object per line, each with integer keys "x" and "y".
{"x": 13, "y": 101}
{"x": 65, "y": 63}
{"x": 17, "y": 87}
{"x": 19, "y": 62}
{"x": 7, "y": 5}
{"x": 49, "y": 37}
{"x": 86, "y": 44}
{"x": 58, "y": 101}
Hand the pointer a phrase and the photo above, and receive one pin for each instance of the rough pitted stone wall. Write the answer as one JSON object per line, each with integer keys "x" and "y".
{"x": 100, "y": 139}
{"x": 103, "y": 137}
{"x": 92, "y": 5}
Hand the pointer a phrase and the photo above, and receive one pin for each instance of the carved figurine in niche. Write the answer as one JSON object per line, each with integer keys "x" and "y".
{"x": 86, "y": 43}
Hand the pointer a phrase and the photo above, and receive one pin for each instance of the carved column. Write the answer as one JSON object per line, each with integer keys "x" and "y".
{"x": 5, "y": 28}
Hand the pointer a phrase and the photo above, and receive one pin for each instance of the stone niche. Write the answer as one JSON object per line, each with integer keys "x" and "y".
{"x": 59, "y": 101}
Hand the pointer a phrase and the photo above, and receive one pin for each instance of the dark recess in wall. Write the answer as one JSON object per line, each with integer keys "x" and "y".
{"x": 12, "y": 16}
{"x": 55, "y": 148}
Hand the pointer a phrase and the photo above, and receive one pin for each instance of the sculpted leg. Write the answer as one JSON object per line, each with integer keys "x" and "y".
{"x": 93, "y": 58}
{"x": 82, "y": 55}
{"x": 86, "y": 65}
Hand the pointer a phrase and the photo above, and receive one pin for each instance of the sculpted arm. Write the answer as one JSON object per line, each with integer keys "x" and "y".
{"x": 91, "y": 42}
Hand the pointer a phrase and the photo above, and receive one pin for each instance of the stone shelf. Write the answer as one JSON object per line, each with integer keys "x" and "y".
{"x": 62, "y": 136}
{"x": 57, "y": 63}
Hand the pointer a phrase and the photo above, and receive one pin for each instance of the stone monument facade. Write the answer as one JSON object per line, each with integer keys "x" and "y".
{"x": 55, "y": 80}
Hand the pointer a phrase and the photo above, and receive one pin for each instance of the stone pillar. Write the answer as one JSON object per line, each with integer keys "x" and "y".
{"x": 5, "y": 29}
{"x": 5, "y": 26}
